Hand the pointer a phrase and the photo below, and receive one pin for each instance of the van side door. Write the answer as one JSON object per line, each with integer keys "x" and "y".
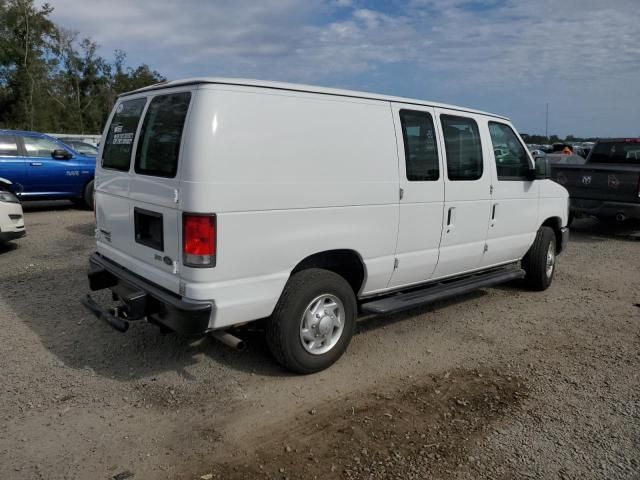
{"x": 467, "y": 193}
{"x": 514, "y": 209}
{"x": 421, "y": 195}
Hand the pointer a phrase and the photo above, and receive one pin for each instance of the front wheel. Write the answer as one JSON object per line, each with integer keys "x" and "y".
{"x": 313, "y": 321}
{"x": 539, "y": 263}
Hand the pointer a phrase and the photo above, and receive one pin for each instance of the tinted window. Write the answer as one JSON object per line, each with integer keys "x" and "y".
{"x": 39, "y": 147}
{"x": 159, "y": 143}
{"x": 512, "y": 160}
{"x": 8, "y": 146}
{"x": 420, "y": 150}
{"x": 119, "y": 142}
{"x": 462, "y": 144}
{"x": 616, "y": 152}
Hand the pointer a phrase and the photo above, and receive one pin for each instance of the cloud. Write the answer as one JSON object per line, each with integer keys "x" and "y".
{"x": 492, "y": 45}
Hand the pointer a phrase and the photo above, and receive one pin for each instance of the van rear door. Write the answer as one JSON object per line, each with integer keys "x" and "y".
{"x": 137, "y": 212}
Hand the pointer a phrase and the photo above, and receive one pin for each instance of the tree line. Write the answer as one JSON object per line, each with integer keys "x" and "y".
{"x": 52, "y": 79}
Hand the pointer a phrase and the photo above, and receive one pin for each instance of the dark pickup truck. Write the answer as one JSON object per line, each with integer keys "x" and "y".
{"x": 607, "y": 184}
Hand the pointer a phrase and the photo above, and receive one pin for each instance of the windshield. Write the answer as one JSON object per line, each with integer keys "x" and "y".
{"x": 616, "y": 152}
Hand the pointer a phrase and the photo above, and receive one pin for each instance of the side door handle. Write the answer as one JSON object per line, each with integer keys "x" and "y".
{"x": 494, "y": 208}
{"x": 36, "y": 164}
{"x": 451, "y": 218}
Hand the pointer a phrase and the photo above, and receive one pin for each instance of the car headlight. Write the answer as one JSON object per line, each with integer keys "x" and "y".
{"x": 8, "y": 197}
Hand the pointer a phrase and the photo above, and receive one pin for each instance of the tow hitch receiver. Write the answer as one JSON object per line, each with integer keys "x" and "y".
{"x": 112, "y": 316}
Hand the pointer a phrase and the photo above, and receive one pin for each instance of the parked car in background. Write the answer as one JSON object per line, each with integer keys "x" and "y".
{"x": 82, "y": 148}
{"x": 77, "y": 137}
{"x": 221, "y": 201}
{"x": 11, "y": 215}
{"x": 607, "y": 184}
{"x": 46, "y": 168}
{"x": 579, "y": 150}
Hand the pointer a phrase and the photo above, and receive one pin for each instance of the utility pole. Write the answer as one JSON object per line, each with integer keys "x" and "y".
{"x": 546, "y": 123}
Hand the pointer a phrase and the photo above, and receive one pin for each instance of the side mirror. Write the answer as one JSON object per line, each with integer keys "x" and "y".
{"x": 61, "y": 154}
{"x": 542, "y": 170}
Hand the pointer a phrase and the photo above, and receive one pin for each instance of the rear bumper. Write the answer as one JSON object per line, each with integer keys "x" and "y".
{"x": 13, "y": 235}
{"x": 604, "y": 208}
{"x": 143, "y": 299}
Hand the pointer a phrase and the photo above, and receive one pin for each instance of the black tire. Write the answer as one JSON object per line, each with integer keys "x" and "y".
{"x": 283, "y": 327}
{"x": 88, "y": 195}
{"x": 534, "y": 262}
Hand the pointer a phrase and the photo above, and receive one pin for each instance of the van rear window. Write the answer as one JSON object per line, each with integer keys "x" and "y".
{"x": 159, "y": 143}
{"x": 119, "y": 143}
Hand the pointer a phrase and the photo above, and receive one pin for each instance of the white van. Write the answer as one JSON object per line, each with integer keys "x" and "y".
{"x": 220, "y": 202}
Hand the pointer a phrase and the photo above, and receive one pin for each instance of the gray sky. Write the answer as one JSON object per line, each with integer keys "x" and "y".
{"x": 504, "y": 56}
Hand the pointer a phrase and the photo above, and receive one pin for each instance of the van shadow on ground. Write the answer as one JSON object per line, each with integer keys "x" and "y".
{"x": 48, "y": 302}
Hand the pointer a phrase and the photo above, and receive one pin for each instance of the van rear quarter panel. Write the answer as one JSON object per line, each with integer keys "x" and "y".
{"x": 288, "y": 175}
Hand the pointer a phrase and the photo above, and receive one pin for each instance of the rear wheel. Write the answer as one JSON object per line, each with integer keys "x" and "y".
{"x": 313, "y": 321}
{"x": 540, "y": 261}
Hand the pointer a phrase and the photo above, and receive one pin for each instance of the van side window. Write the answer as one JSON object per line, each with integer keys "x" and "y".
{"x": 119, "y": 143}
{"x": 512, "y": 160}
{"x": 463, "y": 147}
{"x": 420, "y": 149}
{"x": 8, "y": 146}
{"x": 159, "y": 144}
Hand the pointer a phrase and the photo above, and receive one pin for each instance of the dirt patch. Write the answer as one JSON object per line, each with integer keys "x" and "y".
{"x": 420, "y": 430}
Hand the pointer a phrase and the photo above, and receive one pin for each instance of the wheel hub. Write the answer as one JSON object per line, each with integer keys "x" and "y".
{"x": 325, "y": 325}
{"x": 322, "y": 324}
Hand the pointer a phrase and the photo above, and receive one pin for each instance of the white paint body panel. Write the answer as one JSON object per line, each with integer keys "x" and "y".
{"x": 290, "y": 173}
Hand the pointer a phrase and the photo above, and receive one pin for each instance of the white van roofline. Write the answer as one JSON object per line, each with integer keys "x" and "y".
{"x": 297, "y": 87}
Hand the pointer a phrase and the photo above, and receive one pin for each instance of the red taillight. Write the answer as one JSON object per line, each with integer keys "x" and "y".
{"x": 198, "y": 240}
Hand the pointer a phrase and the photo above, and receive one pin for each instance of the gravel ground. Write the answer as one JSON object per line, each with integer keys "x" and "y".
{"x": 502, "y": 383}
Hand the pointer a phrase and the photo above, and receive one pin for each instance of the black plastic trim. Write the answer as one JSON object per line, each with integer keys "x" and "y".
{"x": 440, "y": 291}
{"x": 166, "y": 308}
{"x": 8, "y": 236}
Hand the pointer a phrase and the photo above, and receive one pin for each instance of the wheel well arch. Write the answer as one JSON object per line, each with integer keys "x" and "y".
{"x": 555, "y": 223}
{"x": 345, "y": 262}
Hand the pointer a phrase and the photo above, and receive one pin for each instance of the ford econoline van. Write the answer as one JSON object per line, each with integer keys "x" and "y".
{"x": 219, "y": 202}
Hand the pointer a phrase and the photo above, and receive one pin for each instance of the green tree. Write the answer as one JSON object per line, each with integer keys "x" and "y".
{"x": 26, "y": 57}
{"x": 53, "y": 80}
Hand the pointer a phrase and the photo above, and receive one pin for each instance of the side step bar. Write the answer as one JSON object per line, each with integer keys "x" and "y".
{"x": 440, "y": 291}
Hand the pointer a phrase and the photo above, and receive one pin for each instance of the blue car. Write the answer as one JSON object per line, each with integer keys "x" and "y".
{"x": 44, "y": 168}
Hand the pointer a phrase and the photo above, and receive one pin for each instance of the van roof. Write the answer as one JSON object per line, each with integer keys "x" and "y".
{"x": 296, "y": 87}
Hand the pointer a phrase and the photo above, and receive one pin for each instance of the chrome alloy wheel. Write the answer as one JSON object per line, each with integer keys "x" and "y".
{"x": 551, "y": 259}
{"x": 322, "y": 324}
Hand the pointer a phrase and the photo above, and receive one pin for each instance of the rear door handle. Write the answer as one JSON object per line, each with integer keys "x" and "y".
{"x": 36, "y": 164}
{"x": 493, "y": 211}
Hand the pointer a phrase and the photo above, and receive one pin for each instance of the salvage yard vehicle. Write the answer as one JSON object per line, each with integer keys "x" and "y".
{"x": 46, "y": 168}
{"x": 220, "y": 202}
{"x": 11, "y": 215}
{"x": 607, "y": 185}
{"x": 82, "y": 148}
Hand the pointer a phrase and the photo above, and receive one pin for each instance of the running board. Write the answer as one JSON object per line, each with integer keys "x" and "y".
{"x": 440, "y": 291}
